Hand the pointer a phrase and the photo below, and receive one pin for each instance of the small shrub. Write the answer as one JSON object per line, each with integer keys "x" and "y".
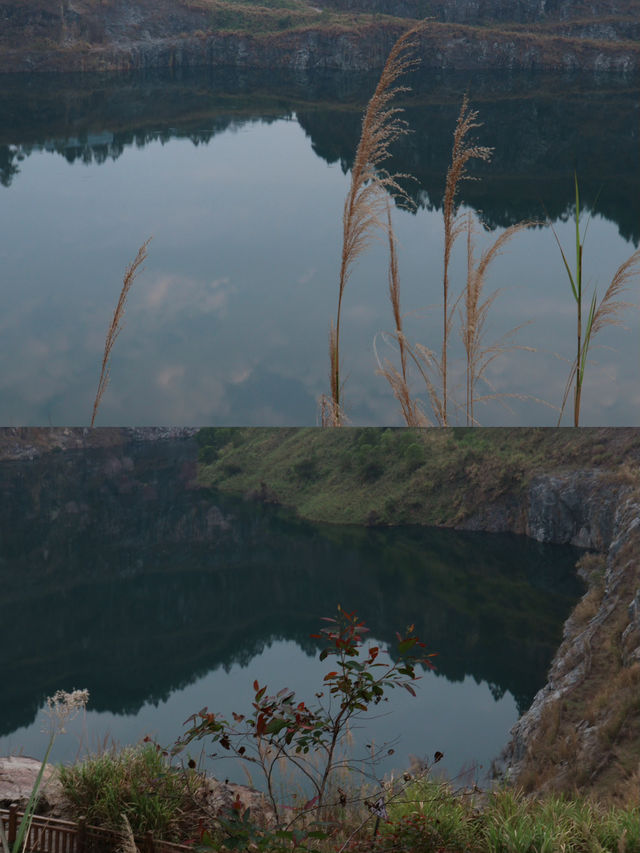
{"x": 415, "y": 455}
{"x": 137, "y": 782}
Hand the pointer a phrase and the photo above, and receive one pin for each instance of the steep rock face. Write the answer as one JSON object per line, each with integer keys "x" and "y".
{"x": 593, "y": 512}
{"x": 465, "y": 34}
{"x": 453, "y": 47}
{"x": 579, "y": 509}
{"x": 576, "y": 508}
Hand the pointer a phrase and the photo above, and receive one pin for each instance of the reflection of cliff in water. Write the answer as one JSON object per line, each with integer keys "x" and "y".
{"x": 541, "y": 126}
{"x": 117, "y": 574}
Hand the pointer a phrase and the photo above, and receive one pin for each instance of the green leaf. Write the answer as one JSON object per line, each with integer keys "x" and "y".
{"x": 275, "y": 726}
{"x": 405, "y": 645}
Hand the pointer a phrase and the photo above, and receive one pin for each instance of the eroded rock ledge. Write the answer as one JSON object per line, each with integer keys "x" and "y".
{"x": 583, "y": 728}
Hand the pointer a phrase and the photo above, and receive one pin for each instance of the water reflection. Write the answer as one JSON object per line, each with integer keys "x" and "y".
{"x": 241, "y": 181}
{"x": 121, "y": 576}
{"x": 541, "y": 126}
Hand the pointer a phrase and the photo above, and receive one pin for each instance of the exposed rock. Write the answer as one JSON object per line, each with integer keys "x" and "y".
{"x": 223, "y": 797}
{"x": 18, "y": 775}
{"x": 32, "y": 442}
{"x": 616, "y": 531}
{"x": 466, "y": 34}
{"x": 577, "y": 509}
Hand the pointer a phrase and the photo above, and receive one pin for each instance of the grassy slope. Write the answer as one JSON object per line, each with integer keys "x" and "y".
{"x": 400, "y": 476}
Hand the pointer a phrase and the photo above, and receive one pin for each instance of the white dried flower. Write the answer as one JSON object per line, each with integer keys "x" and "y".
{"x": 63, "y": 706}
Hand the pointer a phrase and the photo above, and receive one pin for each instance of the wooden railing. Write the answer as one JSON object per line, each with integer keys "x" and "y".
{"x": 50, "y": 835}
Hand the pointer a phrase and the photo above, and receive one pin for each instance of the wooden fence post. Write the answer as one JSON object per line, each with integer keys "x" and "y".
{"x": 13, "y": 823}
{"x": 81, "y": 837}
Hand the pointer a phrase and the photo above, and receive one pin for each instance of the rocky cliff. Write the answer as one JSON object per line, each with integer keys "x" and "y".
{"x": 583, "y": 727}
{"x": 79, "y": 35}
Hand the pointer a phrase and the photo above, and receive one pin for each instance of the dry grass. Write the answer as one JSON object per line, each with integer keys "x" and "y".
{"x": 473, "y": 304}
{"x": 116, "y": 324}
{"x": 411, "y": 411}
{"x": 473, "y": 318}
{"x": 366, "y": 199}
{"x": 463, "y": 151}
{"x": 128, "y": 843}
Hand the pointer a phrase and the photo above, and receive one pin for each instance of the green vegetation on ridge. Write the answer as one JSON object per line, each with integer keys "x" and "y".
{"x": 401, "y": 476}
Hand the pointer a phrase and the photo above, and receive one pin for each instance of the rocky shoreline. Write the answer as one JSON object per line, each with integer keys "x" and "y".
{"x": 600, "y": 512}
{"x": 18, "y": 443}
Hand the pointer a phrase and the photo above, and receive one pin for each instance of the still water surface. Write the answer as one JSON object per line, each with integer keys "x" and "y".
{"x": 120, "y": 576}
{"x": 240, "y": 178}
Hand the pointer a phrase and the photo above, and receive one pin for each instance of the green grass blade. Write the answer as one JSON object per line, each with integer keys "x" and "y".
{"x": 25, "y": 823}
{"x": 578, "y": 284}
{"x": 566, "y": 265}
{"x": 587, "y": 335}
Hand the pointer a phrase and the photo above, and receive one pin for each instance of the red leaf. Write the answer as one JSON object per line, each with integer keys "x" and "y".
{"x": 256, "y": 686}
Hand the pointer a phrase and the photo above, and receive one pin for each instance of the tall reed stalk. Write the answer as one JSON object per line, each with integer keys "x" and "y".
{"x": 115, "y": 326}
{"x": 473, "y": 318}
{"x": 411, "y": 411}
{"x": 463, "y": 151}
{"x": 365, "y": 202}
{"x": 605, "y": 313}
{"x": 472, "y": 303}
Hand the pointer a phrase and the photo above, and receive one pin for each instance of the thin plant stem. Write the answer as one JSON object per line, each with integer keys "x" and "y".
{"x": 115, "y": 326}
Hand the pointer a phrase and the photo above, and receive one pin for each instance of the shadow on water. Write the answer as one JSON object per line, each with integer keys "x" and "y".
{"x": 542, "y": 127}
{"x": 119, "y": 574}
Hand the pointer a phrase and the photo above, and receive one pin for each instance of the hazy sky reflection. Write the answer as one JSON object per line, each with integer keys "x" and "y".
{"x": 228, "y": 322}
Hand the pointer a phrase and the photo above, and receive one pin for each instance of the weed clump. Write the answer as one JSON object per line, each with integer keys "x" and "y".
{"x": 137, "y": 782}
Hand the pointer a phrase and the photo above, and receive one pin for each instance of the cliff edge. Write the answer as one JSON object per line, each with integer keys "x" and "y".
{"x": 101, "y": 35}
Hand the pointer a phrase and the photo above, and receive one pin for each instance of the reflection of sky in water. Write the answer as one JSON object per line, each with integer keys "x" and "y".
{"x": 228, "y": 322}
{"x": 461, "y": 719}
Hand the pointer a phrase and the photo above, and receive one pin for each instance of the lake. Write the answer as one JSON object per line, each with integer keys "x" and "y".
{"x": 240, "y": 178}
{"x": 119, "y": 575}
